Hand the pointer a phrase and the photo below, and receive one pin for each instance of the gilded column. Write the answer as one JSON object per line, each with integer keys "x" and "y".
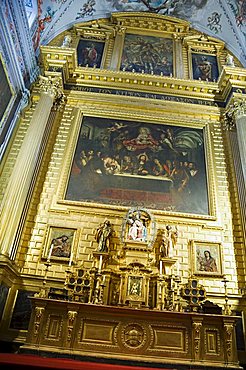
{"x": 16, "y": 193}
{"x": 236, "y": 117}
{"x": 235, "y": 122}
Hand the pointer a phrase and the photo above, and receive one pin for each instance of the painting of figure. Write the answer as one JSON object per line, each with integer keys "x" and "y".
{"x": 205, "y": 67}
{"x": 59, "y": 243}
{"x": 90, "y": 53}
{"x": 147, "y": 54}
{"x": 206, "y": 258}
{"x": 134, "y": 286}
{"x": 139, "y": 164}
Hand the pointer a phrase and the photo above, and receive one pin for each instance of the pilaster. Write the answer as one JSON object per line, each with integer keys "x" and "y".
{"x": 14, "y": 200}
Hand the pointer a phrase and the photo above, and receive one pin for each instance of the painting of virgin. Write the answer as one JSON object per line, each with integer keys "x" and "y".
{"x": 206, "y": 258}
{"x": 137, "y": 164}
{"x": 205, "y": 67}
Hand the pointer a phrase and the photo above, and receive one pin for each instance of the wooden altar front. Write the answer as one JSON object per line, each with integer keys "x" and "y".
{"x": 62, "y": 328}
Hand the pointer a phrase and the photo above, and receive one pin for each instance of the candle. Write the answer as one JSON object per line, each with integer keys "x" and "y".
{"x": 160, "y": 267}
{"x": 70, "y": 259}
{"x": 50, "y": 252}
{"x": 100, "y": 263}
{"x": 177, "y": 267}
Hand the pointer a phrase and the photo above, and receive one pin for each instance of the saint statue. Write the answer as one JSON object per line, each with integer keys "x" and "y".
{"x": 168, "y": 241}
{"x": 103, "y": 234}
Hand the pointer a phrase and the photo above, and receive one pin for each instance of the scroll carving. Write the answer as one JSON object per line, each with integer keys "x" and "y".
{"x": 71, "y": 317}
{"x": 38, "y": 315}
{"x": 196, "y": 326}
{"x": 228, "y": 339}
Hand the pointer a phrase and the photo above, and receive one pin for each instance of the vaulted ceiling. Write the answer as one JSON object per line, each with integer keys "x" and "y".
{"x": 224, "y": 19}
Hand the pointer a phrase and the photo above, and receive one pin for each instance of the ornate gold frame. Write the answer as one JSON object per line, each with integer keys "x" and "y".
{"x": 49, "y": 235}
{"x": 206, "y": 258}
{"x": 89, "y": 110}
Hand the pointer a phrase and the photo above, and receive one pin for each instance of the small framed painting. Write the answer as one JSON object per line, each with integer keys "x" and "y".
{"x": 59, "y": 243}
{"x": 206, "y": 258}
{"x": 205, "y": 67}
{"x": 135, "y": 286}
{"x": 90, "y": 53}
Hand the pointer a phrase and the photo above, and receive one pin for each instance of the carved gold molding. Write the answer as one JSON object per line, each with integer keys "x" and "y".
{"x": 71, "y": 318}
{"x": 38, "y": 315}
{"x": 52, "y": 86}
{"x": 234, "y": 111}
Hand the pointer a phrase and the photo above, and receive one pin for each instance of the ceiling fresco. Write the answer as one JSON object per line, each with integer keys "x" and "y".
{"x": 224, "y": 19}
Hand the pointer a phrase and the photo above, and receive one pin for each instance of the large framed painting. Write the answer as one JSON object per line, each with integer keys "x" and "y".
{"x": 139, "y": 164}
{"x": 6, "y": 92}
{"x": 204, "y": 67}
{"x": 206, "y": 258}
{"x": 147, "y": 54}
{"x": 90, "y": 53}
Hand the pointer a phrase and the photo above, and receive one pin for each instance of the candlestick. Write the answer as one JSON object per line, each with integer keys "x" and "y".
{"x": 50, "y": 252}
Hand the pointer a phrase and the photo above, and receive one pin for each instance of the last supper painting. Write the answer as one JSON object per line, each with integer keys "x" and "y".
{"x": 137, "y": 164}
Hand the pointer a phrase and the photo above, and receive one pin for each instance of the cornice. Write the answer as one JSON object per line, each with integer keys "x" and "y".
{"x": 150, "y": 21}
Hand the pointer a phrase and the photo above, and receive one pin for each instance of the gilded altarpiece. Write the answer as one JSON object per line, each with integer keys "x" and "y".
{"x": 133, "y": 184}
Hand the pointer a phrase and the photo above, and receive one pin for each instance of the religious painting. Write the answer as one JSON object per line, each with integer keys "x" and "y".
{"x": 59, "y": 244}
{"x": 6, "y": 92}
{"x": 137, "y": 164}
{"x": 206, "y": 258}
{"x": 22, "y": 310}
{"x": 135, "y": 286}
{"x": 3, "y": 297}
{"x": 90, "y": 53}
{"x": 205, "y": 67}
{"x": 147, "y": 54}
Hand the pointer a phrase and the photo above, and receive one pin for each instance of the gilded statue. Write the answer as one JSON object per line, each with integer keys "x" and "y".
{"x": 103, "y": 234}
{"x": 168, "y": 241}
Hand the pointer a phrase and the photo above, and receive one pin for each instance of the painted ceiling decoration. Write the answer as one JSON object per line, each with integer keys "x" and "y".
{"x": 224, "y": 19}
